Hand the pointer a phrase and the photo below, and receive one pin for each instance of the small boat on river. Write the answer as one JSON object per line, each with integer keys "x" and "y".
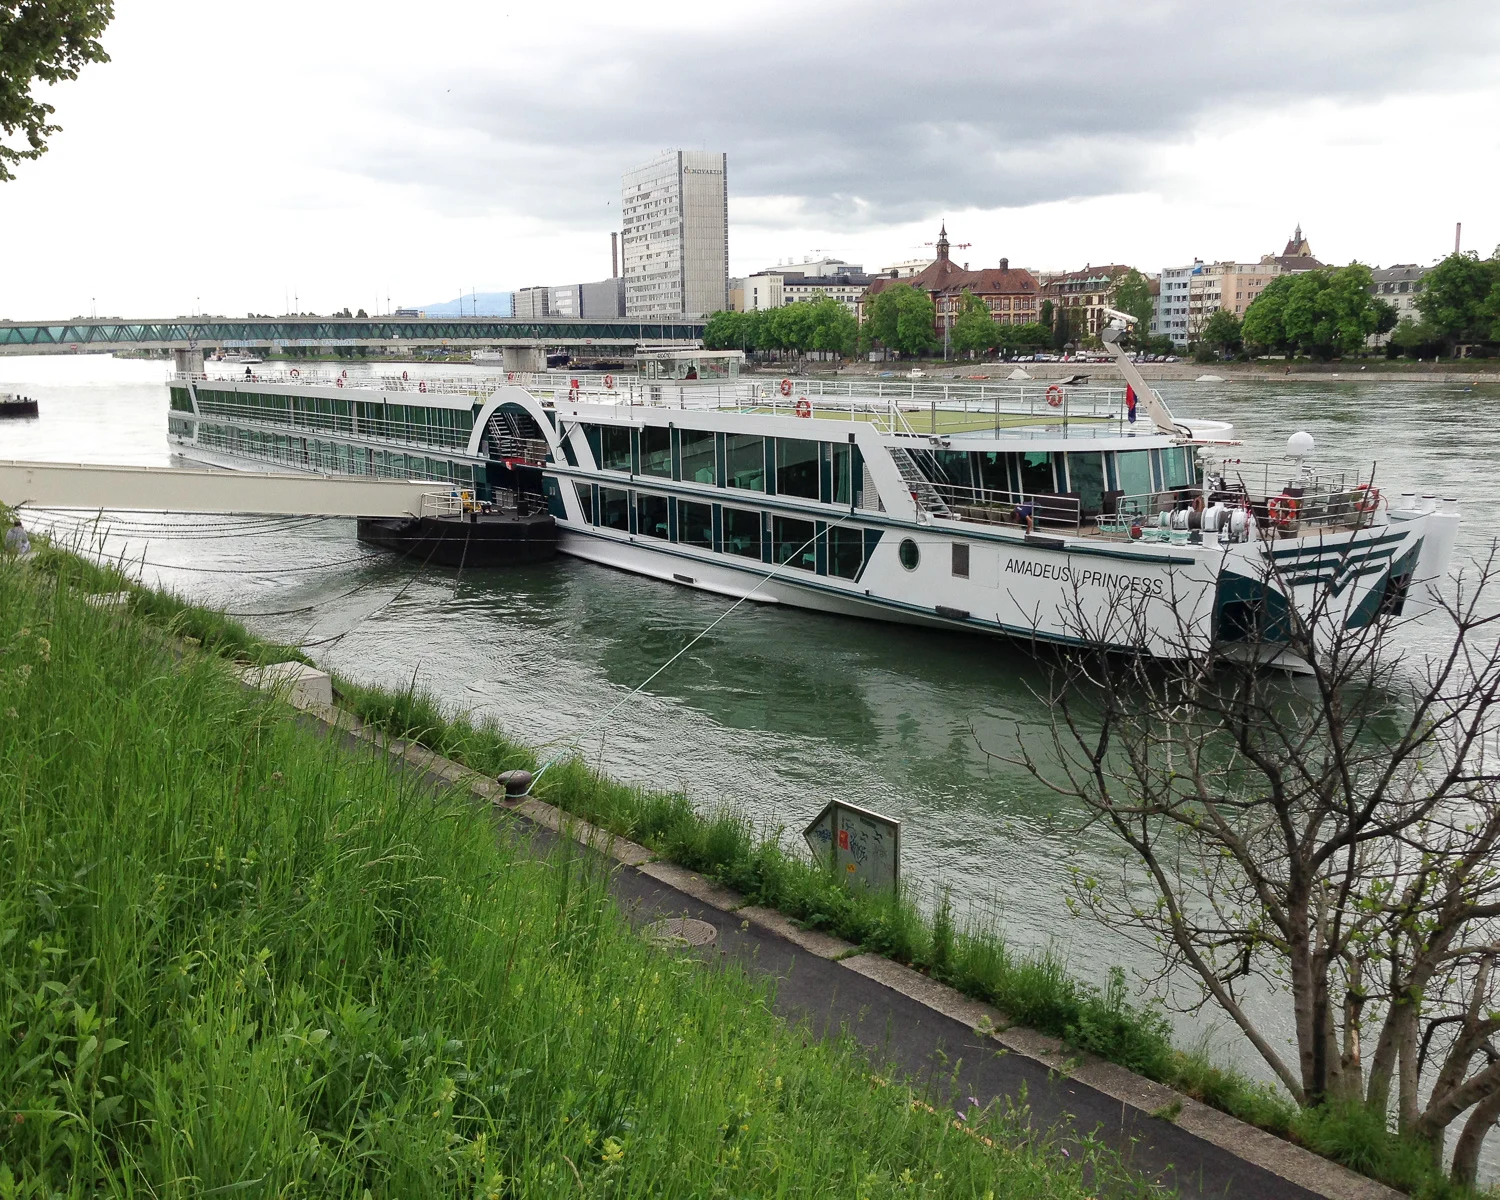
{"x": 1068, "y": 515}
{"x": 17, "y": 406}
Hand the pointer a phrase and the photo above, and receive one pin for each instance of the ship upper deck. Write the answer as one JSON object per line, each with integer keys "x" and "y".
{"x": 1010, "y": 410}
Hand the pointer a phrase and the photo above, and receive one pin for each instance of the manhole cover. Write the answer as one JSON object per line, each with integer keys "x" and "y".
{"x": 681, "y": 931}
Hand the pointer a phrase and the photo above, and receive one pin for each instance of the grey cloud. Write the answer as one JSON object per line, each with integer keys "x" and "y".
{"x": 890, "y": 111}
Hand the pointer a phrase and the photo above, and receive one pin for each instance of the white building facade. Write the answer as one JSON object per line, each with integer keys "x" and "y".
{"x": 675, "y": 213}
{"x": 1399, "y": 286}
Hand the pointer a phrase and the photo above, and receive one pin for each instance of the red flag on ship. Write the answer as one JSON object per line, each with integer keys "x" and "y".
{"x": 1130, "y": 403}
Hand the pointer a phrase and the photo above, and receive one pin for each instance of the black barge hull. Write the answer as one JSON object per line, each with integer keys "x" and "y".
{"x": 17, "y": 407}
{"x": 472, "y": 540}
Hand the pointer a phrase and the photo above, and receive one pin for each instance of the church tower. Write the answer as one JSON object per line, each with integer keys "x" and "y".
{"x": 942, "y": 243}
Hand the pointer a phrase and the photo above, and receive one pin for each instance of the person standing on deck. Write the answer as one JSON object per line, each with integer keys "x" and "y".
{"x": 16, "y": 541}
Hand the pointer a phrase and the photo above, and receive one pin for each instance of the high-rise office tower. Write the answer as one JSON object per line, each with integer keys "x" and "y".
{"x": 675, "y": 212}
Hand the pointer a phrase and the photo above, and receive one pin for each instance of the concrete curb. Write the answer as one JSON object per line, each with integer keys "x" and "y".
{"x": 1265, "y": 1150}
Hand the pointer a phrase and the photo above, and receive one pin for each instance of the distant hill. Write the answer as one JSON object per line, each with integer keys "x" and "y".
{"x": 481, "y": 304}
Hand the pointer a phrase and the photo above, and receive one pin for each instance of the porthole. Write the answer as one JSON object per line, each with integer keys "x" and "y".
{"x": 910, "y": 555}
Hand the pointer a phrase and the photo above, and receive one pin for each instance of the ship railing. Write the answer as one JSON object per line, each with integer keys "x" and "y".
{"x": 1058, "y": 512}
{"x": 1297, "y": 501}
{"x": 445, "y": 504}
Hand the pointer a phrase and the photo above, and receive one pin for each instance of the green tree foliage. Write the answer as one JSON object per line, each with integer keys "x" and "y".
{"x": 1415, "y": 339}
{"x": 806, "y": 325}
{"x": 42, "y": 41}
{"x": 1385, "y": 315}
{"x": 974, "y": 329}
{"x": 1014, "y": 339}
{"x": 1322, "y": 313}
{"x": 1222, "y": 331}
{"x": 1133, "y": 296}
{"x": 1461, "y": 299}
{"x": 901, "y": 318}
{"x": 1062, "y": 328}
{"x": 1046, "y": 314}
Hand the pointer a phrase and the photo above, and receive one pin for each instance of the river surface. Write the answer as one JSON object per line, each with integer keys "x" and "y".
{"x": 777, "y": 710}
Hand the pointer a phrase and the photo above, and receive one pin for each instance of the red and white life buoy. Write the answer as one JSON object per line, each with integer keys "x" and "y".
{"x": 572, "y": 385}
{"x": 1366, "y": 498}
{"x": 403, "y": 376}
{"x": 295, "y": 372}
{"x": 804, "y": 407}
{"x": 422, "y": 386}
{"x": 339, "y": 381}
{"x": 510, "y": 377}
{"x": 609, "y": 381}
{"x": 1282, "y": 510}
{"x": 786, "y": 387}
{"x": 1055, "y": 396}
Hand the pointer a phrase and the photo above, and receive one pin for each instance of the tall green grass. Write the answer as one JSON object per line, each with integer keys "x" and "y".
{"x": 236, "y": 957}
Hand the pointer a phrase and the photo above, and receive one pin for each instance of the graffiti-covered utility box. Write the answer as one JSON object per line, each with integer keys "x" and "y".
{"x": 865, "y": 846}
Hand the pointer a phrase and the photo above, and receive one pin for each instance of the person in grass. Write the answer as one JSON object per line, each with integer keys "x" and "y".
{"x": 16, "y": 541}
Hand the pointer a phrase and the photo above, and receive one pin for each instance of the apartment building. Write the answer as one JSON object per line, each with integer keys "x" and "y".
{"x": 1399, "y": 286}
{"x": 1084, "y": 294}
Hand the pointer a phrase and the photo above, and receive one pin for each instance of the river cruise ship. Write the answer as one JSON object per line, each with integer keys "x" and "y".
{"x": 1063, "y": 514}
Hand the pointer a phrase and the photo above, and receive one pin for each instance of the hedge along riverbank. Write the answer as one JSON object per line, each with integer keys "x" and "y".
{"x": 237, "y": 957}
{"x": 1033, "y": 990}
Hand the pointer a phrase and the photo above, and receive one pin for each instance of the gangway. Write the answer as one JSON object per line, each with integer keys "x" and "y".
{"x": 185, "y": 490}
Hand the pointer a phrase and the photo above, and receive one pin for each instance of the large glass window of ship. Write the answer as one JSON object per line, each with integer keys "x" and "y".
{"x": 448, "y": 428}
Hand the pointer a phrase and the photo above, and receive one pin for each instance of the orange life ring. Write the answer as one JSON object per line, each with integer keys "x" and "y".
{"x": 609, "y": 381}
{"x": 422, "y": 387}
{"x": 295, "y": 372}
{"x": 1366, "y": 498}
{"x": 786, "y": 387}
{"x": 403, "y": 376}
{"x": 572, "y": 385}
{"x": 1282, "y": 510}
{"x": 804, "y": 407}
{"x": 339, "y": 381}
{"x": 1198, "y": 504}
{"x": 1055, "y": 396}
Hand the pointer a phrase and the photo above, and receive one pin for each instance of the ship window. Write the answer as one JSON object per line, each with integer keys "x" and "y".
{"x": 1175, "y": 463}
{"x": 794, "y": 543}
{"x": 698, "y": 456}
{"x": 742, "y": 532}
{"x": 1036, "y": 472}
{"x": 1133, "y": 470}
{"x": 651, "y": 514}
{"x": 993, "y": 469}
{"x": 695, "y": 523}
{"x": 797, "y": 468}
{"x": 614, "y": 509}
{"x": 846, "y": 548}
{"x": 841, "y": 455}
{"x": 586, "y": 500}
{"x": 909, "y": 554}
{"x": 656, "y": 451}
{"x": 745, "y": 464}
{"x": 1086, "y": 480}
{"x": 961, "y": 559}
{"x": 615, "y": 443}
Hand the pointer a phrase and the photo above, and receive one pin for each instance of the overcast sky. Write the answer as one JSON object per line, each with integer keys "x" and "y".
{"x": 231, "y": 156}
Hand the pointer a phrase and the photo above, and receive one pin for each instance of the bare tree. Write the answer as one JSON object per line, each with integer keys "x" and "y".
{"x": 1333, "y": 839}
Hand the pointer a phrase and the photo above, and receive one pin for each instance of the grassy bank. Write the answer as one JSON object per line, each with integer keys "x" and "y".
{"x": 239, "y": 958}
{"x": 1034, "y": 991}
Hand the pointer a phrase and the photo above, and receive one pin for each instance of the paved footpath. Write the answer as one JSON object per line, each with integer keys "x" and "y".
{"x": 913, "y": 1025}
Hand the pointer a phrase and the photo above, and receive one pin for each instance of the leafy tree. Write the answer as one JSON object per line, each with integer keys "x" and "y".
{"x": 901, "y": 318}
{"x": 1222, "y": 331}
{"x": 1062, "y": 327}
{"x": 1046, "y": 314}
{"x": 834, "y": 328}
{"x": 1324, "y": 313}
{"x": 1013, "y": 339}
{"x": 1133, "y": 295}
{"x": 1385, "y": 315}
{"x": 1461, "y": 299}
{"x": 1264, "y": 326}
{"x": 44, "y": 41}
{"x": 974, "y": 329}
{"x": 723, "y": 330}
